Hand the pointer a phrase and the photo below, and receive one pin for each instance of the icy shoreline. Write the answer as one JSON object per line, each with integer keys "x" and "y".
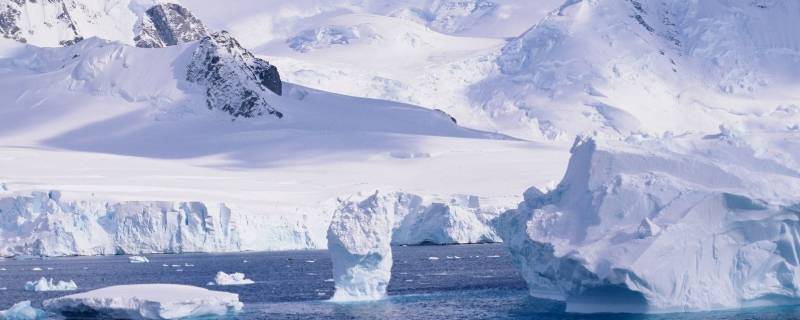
{"x": 42, "y": 224}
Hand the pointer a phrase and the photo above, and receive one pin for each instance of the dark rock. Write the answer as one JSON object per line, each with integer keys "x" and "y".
{"x": 168, "y": 24}
{"x": 236, "y": 81}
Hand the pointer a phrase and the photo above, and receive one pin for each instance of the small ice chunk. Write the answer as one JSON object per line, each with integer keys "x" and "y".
{"x": 236, "y": 278}
{"x": 148, "y": 301}
{"x": 433, "y": 258}
{"x": 311, "y": 261}
{"x": 22, "y": 311}
{"x": 44, "y": 284}
{"x": 138, "y": 259}
{"x": 188, "y": 264}
{"x": 494, "y": 256}
{"x": 36, "y": 269}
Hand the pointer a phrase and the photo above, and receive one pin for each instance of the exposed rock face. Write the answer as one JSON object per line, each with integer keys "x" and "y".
{"x": 20, "y": 19}
{"x": 235, "y": 80}
{"x": 168, "y": 24}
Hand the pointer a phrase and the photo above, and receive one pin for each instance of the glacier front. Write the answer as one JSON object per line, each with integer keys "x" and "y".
{"x": 681, "y": 223}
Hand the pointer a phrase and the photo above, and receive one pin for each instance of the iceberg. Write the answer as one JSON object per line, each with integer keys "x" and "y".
{"x": 674, "y": 224}
{"x": 138, "y": 259}
{"x": 359, "y": 241}
{"x": 44, "y": 284}
{"x": 236, "y": 278}
{"x": 147, "y": 301}
{"x": 22, "y": 311}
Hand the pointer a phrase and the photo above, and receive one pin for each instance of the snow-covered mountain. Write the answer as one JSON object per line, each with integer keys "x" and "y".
{"x": 150, "y": 126}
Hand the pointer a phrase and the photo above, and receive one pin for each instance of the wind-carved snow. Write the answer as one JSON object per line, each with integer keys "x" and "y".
{"x": 44, "y": 284}
{"x": 658, "y": 225}
{"x": 363, "y": 229}
{"x": 359, "y": 241}
{"x": 168, "y": 24}
{"x": 233, "y": 279}
{"x": 148, "y": 301}
{"x": 326, "y": 36}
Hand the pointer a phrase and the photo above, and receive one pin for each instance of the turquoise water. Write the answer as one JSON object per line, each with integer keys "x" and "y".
{"x": 466, "y": 282}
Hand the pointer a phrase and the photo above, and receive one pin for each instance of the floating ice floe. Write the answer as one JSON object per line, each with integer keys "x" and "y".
{"x": 44, "y": 284}
{"x": 686, "y": 223}
{"x": 138, "y": 259}
{"x": 22, "y": 311}
{"x": 433, "y": 258}
{"x": 147, "y": 301}
{"x": 36, "y": 269}
{"x": 233, "y": 279}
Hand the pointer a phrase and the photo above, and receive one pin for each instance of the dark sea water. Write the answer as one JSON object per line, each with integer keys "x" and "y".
{"x": 466, "y": 282}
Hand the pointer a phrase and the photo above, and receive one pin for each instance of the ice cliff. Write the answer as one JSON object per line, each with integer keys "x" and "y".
{"x": 47, "y": 224}
{"x": 364, "y": 227}
{"x": 659, "y": 225}
{"x": 359, "y": 241}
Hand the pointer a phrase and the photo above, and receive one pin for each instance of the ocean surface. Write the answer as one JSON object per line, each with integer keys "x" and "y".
{"x": 428, "y": 282}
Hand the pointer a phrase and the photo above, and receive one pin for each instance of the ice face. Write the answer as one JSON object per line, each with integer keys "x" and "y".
{"x": 44, "y": 284}
{"x": 22, "y": 311}
{"x": 148, "y": 301}
{"x": 359, "y": 241}
{"x": 679, "y": 224}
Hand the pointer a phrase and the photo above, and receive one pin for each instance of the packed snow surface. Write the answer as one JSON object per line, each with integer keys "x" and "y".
{"x": 236, "y": 278}
{"x": 22, "y": 311}
{"x": 670, "y": 224}
{"x": 148, "y": 301}
{"x": 44, "y": 284}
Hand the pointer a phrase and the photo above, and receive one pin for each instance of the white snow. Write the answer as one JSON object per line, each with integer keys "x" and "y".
{"x": 138, "y": 259}
{"x": 660, "y": 225}
{"x": 236, "y": 278}
{"x": 44, "y": 284}
{"x": 22, "y": 311}
{"x": 149, "y": 301}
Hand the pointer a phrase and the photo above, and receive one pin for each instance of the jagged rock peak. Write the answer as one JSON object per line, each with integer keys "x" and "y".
{"x": 19, "y": 21}
{"x": 235, "y": 80}
{"x": 168, "y": 24}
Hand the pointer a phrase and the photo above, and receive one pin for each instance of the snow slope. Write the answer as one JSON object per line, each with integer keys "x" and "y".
{"x": 129, "y": 116}
{"x": 662, "y": 225}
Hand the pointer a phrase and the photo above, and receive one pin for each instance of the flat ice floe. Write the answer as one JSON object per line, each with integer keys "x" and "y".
{"x": 44, "y": 284}
{"x": 683, "y": 223}
{"x": 233, "y": 279}
{"x": 148, "y": 301}
{"x": 138, "y": 259}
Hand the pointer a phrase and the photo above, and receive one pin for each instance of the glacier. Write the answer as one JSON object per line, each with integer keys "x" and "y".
{"x": 148, "y": 301}
{"x": 722, "y": 209}
{"x": 48, "y": 224}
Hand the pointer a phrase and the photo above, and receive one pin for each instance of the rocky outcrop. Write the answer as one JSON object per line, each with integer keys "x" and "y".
{"x": 168, "y": 24}
{"x": 235, "y": 80}
{"x": 19, "y": 21}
